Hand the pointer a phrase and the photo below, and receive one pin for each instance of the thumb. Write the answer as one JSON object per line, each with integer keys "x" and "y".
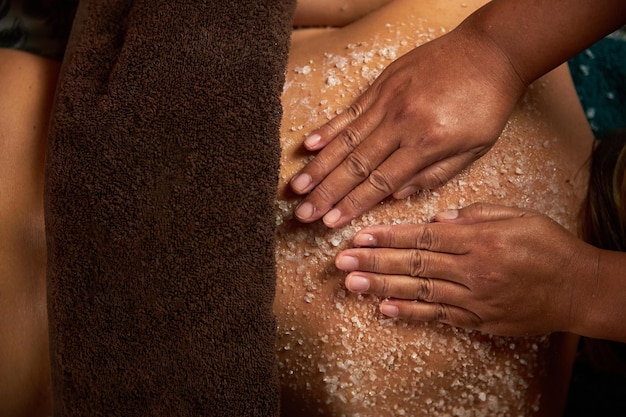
{"x": 479, "y": 213}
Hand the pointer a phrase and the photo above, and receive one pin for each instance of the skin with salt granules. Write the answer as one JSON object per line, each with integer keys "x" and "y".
{"x": 338, "y": 356}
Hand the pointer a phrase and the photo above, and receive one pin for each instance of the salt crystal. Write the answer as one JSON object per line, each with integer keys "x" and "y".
{"x": 332, "y": 81}
{"x": 303, "y": 70}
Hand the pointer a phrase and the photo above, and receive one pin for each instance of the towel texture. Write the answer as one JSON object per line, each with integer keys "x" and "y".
{"x": 160, "y": 179}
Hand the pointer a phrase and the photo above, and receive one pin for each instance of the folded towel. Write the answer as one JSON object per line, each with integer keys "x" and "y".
{"x": 160, "y": 179}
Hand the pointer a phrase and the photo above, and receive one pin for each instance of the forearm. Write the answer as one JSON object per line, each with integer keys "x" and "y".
{"x": 538, "y": 35}
{"x": 602, "y": 302}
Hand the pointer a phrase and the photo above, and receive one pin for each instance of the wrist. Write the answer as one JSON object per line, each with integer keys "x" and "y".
{"x": 603, "y": 315}
{"x": 584, "y": 281}
{"x": 491, "y": 57}
{"x": 598, "y": 310}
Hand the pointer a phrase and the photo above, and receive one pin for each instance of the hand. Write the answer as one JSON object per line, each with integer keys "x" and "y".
{"x": 500, "y": 270}
{"x": 427, "y": 116}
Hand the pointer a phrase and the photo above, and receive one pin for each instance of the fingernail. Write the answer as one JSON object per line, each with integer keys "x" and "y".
{"x": 447, "y": 215}
{"x": 364, "y": 239}
{"x": 305, "y": 211}
{"x": 301, "y": 182}
{"x": 389, "y": 310}
{"x": 332, "y": 217}
{"x": 312, "y": 140}
{"x": 347, "y": 263}
{"x": 357, "y": 283}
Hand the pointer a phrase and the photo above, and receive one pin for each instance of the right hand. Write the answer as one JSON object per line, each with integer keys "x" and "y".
{"x": 497, "y": 269}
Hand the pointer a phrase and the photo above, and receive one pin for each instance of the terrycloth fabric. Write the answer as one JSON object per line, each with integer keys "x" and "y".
{"x": 161, "y": 175}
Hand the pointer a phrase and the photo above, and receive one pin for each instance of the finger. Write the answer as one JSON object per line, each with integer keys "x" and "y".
{"x": 434, "y": 237}
{"x": 347, "y": 138}
{"x": 355, "y": 169}
{"x": 435, "y": 175}
{"x": 320, "y": 137}
{"x": 407, "y": 288}
{"x": 409, "y": 262}
{"x": 394, "y": 171}
{"x": 482, "y": 212}
{"x": 430, "y": 312}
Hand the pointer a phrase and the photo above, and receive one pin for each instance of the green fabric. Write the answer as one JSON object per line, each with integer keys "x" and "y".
{"x": 599, "y": 74}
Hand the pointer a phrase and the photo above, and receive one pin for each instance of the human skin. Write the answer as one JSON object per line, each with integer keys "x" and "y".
{"x": 335, "y": 13}
{"x": 489, "y": 296}
{"x": 419, "y": 369}
{"x": 442, "y": 106}
{"x": 337, "y": 353}
{"x": 546, "y": 280}
{"x": 27, "y": 83}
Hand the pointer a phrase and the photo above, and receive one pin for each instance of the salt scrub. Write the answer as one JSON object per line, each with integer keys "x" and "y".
{"x": 338, "y": 356}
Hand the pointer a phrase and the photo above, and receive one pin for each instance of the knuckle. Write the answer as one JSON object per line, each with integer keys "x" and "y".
{"x": 354, "y": 202}
{"x": 354, "y": 111}
{"x": 425, "y": 239}
{"x": 357, "y": 166}
{"x": 407, "y": 109}
{"x": 380, "y": 182}
{"x": 390, "y": 234}
{"x": 441, "y": 312}
{"x": 482, "y": 210}
{"x": 321, "y": 163}
{"x": 433, "y": 136}
{"x": 416, "y": 263}
{"x": 385, "y": 287}
{"x": 371, "y": 260}
{"x": 348, "y": 115}
{"x": 351, "y": 137}
{"x": 324, "y": 193}
{"x": 499, "y": 242}
{"x": 425, "y": 290}
{"x": 333, "y": 126}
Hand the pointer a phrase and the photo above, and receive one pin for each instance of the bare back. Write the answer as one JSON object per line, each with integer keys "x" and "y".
{"x": 337, "y": 354}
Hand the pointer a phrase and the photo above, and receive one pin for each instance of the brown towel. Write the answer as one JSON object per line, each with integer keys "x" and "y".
{"x": 161, "y": 175}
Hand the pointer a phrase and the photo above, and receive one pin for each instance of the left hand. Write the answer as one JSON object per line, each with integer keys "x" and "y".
{"x": 427, "y": 116}
{"x": 497, "y": 269}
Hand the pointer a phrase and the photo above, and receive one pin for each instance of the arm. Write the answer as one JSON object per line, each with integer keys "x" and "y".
{"x": 537, "y": 36}
{"x": 443, "y": 105}
{"x": 606, "y": 313}
{"x": 496, "y": 269}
